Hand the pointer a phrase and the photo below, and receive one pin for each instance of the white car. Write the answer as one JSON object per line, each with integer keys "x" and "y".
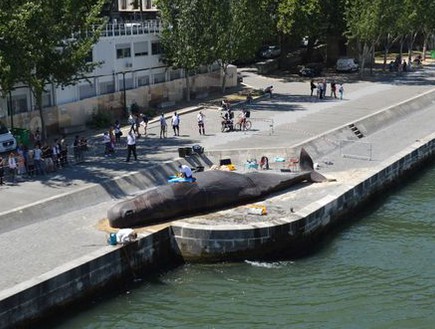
{"x": 347, "y": 64}
{"x": 7, "y": 140}
{"x": 271, "y": 52}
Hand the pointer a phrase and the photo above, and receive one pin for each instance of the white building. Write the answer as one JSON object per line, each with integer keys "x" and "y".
{"x": 131, "y": 71}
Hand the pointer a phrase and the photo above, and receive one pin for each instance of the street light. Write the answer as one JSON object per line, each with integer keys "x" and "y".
{"x": 11, "y": 110}
{"x": 124, "y": 92}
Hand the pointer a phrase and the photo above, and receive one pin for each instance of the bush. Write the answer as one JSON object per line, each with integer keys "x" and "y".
{"x": 101, "y": 119}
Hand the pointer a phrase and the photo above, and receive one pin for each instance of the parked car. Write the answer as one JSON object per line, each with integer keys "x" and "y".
{"x": 311, "y": 70}
{"x": 7, "y": 140}
{"x": 347, "y": 64}
{"x": 270, "y": 52}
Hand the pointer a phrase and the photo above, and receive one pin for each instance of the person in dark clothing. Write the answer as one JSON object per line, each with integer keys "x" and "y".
{"x": 131, "y": 145}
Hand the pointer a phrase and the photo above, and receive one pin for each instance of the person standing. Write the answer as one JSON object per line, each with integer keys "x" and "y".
{"x": 312, "y": 87}
{"x": 118, "y": 132}
{"x": 2, "y": 170}
{"x": 320, "y": 90}
{"x": 12, "y": 164}
{"x": 200, "y": 118}
{"x": 131, "y": 145}
{"x": 176, "y": 124}
{"x": 333, "y": 89}
{"x": 341, "y": 91}
{"x": 324, "y": 85}
{"x": 144, "y": 122}
{"x": 39, "y": 161}
{"x": 76, "y": 149}
{"x": 107, "y": 144}
{"x": 163, "y": 126}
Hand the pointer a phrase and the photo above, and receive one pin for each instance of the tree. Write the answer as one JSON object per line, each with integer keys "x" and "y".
{"x": 317, "y": 20}
{"x": 53, "y": 39}
{"x": 363, "y": 24}
{"x": 238, "y": 30}
{"x": 201, "y": 32}
{"x": 185, "y": 27}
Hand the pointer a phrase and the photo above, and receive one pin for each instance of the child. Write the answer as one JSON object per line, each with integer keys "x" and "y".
{"x": 341, "y": 91}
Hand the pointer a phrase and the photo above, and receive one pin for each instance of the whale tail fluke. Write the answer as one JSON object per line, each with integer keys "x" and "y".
{"x": 306, "y": 164}
{"x": 305, "y": 161}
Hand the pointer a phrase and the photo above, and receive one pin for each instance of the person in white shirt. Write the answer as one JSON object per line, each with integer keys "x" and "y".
{"x": 200, "y": 118}
{"x": 131, "y": 145}
{"x": 39, "y": 162}
{"x": 12, "y": 163}
{"x": 176, "y": 124}
{"x": 185, "y": 171}
{"x": 163, "y": 126}
{"x": 126, "y": 235}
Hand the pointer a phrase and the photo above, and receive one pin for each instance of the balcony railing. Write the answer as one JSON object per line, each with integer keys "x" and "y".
{"x": 131, "y": 28}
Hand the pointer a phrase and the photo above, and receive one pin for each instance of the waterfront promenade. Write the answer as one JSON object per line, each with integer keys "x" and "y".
{"x": 36, "y": 245}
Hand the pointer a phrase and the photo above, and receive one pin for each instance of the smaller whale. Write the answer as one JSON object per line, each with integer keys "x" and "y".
{"x": 213, "y": 190}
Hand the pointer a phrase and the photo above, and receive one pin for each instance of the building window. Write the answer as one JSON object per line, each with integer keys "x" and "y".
{"x": 87, "y": 91}
{"x": 46, "y": 100}
{"x": 143, "y": 81}
{"x": 123, "y": 4}
{"x": 174, "y": 75}
{"x": 123, "y": 51}
{"x": 141, "y": 49}
{"x": 19, "y": 104}
{"x": 107, "y": 87}
{"x": 159, "y": 77}
{"x": 128, "y": 83}
{"x": 156, "y": 48}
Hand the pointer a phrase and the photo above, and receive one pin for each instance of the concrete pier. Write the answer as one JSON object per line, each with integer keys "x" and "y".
{"x": 53, "y": 253}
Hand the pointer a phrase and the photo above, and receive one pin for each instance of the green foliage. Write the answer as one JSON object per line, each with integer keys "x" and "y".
{"x": 201, "y": 32}
{"x": 45, "y": 42}
{"x": 101, "y": 119}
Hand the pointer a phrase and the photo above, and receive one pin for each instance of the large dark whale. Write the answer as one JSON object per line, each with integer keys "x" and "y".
{"x": 212, "y": 190}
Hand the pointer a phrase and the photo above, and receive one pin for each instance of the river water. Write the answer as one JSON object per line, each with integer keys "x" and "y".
{"x": 377, "y": 272}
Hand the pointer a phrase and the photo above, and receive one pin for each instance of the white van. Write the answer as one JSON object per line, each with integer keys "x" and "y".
{"x": 7, "y": 140}
{"x": 347, "y": 64}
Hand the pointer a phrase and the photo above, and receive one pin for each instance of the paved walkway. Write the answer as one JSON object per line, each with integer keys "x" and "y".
{"x": 290, "y": 117}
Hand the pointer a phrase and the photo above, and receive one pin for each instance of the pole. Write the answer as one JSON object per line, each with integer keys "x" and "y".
{"x": 124, "y": 93}
{"x": 11, "y": 110}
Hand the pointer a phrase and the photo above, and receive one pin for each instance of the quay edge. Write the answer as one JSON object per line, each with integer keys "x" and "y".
{"x": 293, "y": 237}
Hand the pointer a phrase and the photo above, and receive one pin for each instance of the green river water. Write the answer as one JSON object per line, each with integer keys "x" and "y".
{"x": 377, "y": 272}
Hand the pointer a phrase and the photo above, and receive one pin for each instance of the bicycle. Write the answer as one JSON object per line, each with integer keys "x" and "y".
{"x": 243, "y": 124}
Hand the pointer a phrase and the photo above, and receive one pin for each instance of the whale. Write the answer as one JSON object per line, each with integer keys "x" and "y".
{"x": 213, "y": 190}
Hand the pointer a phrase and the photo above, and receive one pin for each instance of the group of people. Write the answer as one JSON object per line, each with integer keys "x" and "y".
{"x": 175, "y": 123}
{"x": 40, "y": 159}
{"x": 321, "y": 86}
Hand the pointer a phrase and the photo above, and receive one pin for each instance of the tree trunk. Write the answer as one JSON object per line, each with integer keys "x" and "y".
{"x": 38, "y": 97}
{"x": 224, "y": 78}
{"x": 187, "y": 86}
{"x": 423, "y": 56}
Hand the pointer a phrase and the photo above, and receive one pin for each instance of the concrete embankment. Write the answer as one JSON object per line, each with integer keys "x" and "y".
{"x": 48, "y": 293}
{"x": 186, "y": 241}
{"x": 290, "y": 236}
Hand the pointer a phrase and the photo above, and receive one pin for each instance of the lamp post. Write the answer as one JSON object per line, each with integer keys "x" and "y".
{"x": 11, "y": 109}
{"x": 124, "y": 93}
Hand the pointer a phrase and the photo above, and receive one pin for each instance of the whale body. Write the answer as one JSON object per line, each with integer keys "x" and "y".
{"x": 213, "y": 190}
